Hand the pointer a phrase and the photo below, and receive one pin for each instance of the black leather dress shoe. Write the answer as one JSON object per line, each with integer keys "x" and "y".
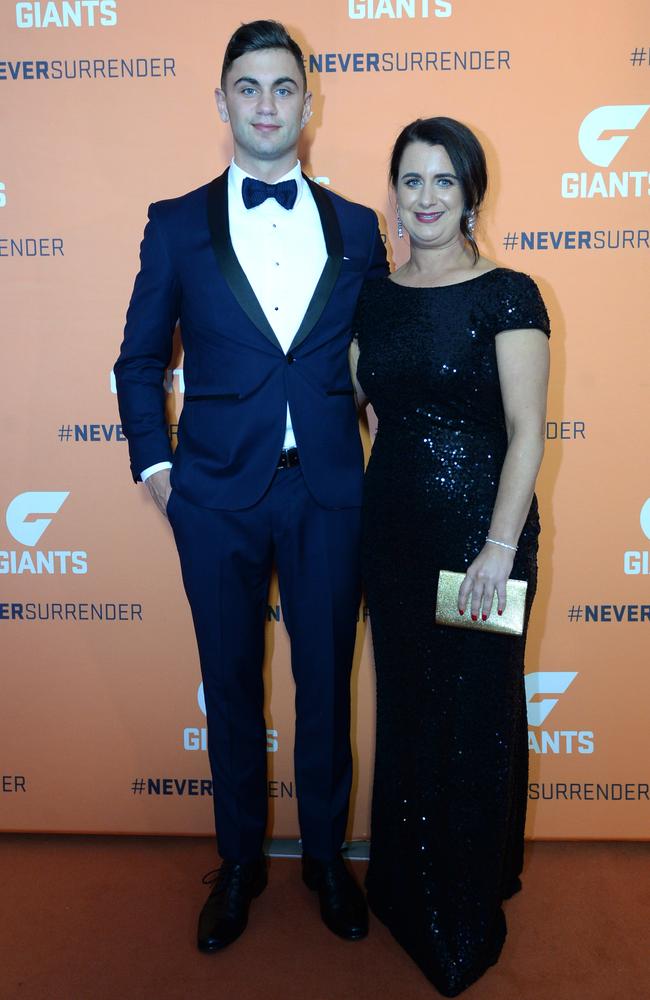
{"x": 225, "y": 913}
{"x": 342, "y": 903}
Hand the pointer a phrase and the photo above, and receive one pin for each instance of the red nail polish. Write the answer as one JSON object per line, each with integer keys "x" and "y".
{"x": 484, "y": 617}
{"x": 461, "y": 612}
{"x": 474, "y": 618}
{"x": 500, "y": 611}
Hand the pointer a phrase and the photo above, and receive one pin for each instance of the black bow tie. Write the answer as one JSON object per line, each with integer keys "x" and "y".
{"x": 256, "y": 192}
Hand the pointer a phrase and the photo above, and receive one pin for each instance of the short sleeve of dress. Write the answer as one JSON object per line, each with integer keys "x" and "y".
{"x": 519, "y": 304}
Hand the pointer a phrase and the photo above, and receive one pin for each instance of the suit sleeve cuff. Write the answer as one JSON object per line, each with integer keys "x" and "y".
{"x": 149, "y": 471}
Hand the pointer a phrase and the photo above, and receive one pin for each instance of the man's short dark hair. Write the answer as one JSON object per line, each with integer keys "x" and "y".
{"x": 258, "y": 35}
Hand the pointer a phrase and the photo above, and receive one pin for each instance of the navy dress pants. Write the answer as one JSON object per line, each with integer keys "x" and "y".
{"x": 226, "y": 561}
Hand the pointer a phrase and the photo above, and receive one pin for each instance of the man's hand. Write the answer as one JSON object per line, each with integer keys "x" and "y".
{"x": 160, "y": 488}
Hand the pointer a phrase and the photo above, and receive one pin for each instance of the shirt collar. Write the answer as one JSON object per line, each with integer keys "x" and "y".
{"x": 236, "y": 178}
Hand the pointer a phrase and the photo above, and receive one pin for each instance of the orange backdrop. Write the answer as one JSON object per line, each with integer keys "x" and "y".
{"x": 108, "y": 107}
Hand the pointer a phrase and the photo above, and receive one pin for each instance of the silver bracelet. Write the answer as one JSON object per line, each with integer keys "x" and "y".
{"x": 504, "y": 545}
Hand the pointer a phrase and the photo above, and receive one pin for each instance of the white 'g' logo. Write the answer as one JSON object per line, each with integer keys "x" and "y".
{"x": 555, "y": 682}
{"x": 645, "y": 518}
{"x": 609, "y": 118}
{"x": 23, "y": 506}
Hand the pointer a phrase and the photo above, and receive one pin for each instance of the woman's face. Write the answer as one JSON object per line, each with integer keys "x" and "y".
{"x": 429, "y": 196}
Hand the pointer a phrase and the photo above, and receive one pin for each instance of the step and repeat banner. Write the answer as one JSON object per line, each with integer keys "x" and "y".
{"x": 108, "y": 105}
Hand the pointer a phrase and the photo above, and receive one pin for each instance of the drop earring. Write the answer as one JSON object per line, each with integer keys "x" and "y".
{"x": 400, "y": 227}
{"x": 470, "y": 222}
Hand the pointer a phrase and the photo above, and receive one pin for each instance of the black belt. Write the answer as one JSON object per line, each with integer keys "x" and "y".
{"x": 288, "y": 458}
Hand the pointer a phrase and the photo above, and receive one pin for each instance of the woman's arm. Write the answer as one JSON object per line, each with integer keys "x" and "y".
{"x": 523, "y": 362}
{"x": 353, "y": 357}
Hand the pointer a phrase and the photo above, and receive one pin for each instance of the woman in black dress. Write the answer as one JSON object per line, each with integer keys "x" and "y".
{"x": 452, "y": 352}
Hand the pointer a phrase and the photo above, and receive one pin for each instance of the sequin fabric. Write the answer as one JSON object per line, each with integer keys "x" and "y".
{"x": 451, "y": 769}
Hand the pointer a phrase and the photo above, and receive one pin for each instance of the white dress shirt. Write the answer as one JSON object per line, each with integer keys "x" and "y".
{"x": 282, "y": 253}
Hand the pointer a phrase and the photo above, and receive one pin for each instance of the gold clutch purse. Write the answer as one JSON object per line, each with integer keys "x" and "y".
{"x": 511, "y": 622}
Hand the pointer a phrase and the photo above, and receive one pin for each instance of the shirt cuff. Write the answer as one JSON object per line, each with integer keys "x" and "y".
{"x": 149, "y": 471}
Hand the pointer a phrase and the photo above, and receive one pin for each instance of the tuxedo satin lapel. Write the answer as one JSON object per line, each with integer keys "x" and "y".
{"x": 229, "y": 266}
{"x": 330, "y": 273}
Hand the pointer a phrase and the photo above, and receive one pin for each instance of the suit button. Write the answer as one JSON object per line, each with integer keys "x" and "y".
{"x": 290, "y": 359}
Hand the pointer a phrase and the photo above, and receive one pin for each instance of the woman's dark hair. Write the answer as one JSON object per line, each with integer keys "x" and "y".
{"x": 464, "y": 151}
{"x": 258, "y": 35}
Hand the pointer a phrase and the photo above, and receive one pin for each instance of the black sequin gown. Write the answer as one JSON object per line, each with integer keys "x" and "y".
{"x": 450, "y": 782}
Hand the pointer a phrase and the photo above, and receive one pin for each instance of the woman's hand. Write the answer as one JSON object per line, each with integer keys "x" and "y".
{"x": 489, "y": 572}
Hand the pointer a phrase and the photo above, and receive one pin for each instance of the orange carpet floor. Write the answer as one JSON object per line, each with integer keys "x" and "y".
{"x": 113, "y": 918}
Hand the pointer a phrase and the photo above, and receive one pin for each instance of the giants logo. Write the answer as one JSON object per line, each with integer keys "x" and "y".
{"x": 79, "y": 14}
{"x": 601, "y": 149}
{"x": 615, "y": 118}
{"x": 24, "y": 506}
{"x": 637, "y": 563}
{"x": 372, "y": 10}
{"x": 558, "y": 741}
{"x": 28, "y": 529}
{"x": 197, "y": 739}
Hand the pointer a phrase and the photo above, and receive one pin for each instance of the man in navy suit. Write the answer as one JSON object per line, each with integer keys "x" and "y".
{"x": 263, "y": 269}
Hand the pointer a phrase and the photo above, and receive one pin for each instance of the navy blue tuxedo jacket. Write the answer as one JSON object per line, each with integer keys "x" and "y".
{"x": 238, "y": 380}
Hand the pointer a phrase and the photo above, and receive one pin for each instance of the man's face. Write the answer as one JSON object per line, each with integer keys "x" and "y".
{"x": 264, "y": 100}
